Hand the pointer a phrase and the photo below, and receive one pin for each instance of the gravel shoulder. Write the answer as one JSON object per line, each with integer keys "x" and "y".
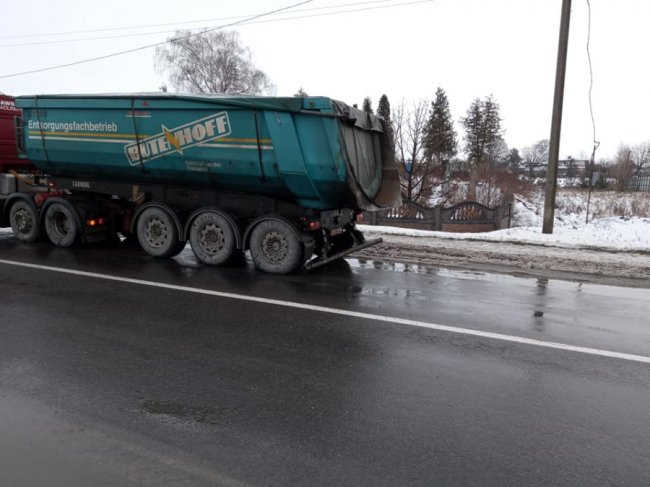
{"x": 590, "y": 265}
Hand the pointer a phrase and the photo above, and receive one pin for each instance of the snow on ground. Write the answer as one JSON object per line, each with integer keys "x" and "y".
{"x": 632, "y": 234}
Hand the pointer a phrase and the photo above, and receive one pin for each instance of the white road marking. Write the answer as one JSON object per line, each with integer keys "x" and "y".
{"x": 343, "y": 312}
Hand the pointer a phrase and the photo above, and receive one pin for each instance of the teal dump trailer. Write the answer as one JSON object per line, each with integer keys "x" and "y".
{"x": 285, "y": 178}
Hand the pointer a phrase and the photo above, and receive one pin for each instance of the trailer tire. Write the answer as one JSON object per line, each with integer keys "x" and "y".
{"x": 212, "y": 238}
{"x": 24, "y": 221}
{"x": 61, "y": 225}
{"x": 158, "y": 234}
{"x": 275, "y": 248}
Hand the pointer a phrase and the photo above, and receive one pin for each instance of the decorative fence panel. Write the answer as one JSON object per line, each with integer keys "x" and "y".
{"x": 638, "y": 184}
{"x": 468, "y": 216}
{"x": 409, "y": 215}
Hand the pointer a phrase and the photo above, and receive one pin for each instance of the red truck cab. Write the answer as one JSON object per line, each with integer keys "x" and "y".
{"x": 10, "y": 125}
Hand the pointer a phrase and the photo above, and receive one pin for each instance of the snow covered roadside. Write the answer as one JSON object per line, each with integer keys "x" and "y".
{"x": 610, "y": 250}
{"x": 609, "y": 234}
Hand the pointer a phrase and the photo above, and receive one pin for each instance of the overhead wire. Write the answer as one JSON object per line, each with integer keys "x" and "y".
{"x": 167, "y": 24}
{"x": 591, "y": 73}
{"x": 148, "y": 46}
{"x": 144, "y": 34}
{"x": 596, "y": 143}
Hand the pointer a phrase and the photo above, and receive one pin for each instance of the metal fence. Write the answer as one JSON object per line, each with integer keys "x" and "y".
{"x": 638, "y": 184}
{"x": 468, "y": 216}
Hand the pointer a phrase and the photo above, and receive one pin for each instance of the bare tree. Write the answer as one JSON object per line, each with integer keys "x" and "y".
{"x": 623, "y": 167}
{"x": 493, "y": 185}
{"x": 498, "y": 153}
{"x": 535, "y": 156}
{"x": 641, "y": 157}
{"x": 212, "y": 62}
{"x": 416, "y": 171}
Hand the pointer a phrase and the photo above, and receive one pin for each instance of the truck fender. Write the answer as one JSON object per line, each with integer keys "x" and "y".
{"x": 75, "y": 211}
{"x": 227, "y": 216}
{"x": 299, "y": 236}
{"x": 162, "y": 206}
{"x": 10, "y": 201}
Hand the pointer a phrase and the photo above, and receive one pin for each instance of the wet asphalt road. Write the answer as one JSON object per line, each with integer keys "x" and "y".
{"x": 117, "y": 383}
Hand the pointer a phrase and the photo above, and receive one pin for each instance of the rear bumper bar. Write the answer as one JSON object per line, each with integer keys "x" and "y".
{"x": 318, "y": 262}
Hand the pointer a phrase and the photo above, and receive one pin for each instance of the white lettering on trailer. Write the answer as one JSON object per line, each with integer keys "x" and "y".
{"x": 177, "y": 139}
{"x": 74, "y": 126}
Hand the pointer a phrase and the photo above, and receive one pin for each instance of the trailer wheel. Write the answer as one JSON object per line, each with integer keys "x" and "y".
{"x": 275, "y": 248}
{"x": 212, "y": 238}
{"x": 157, "y": 233}
{"x": 61, "y": 225}
{"x": 23, "y": 219}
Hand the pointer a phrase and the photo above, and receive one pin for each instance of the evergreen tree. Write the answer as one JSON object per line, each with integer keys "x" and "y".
{"x": 301, "y": 93}
{"x": 513, "y": 160}
{"x": 367, "y": 105}
{"x": 383, "y": 111}
{"x": 440, "y": 144}
{"x": 482, "y": 130}
{"x": 383, "y": 108}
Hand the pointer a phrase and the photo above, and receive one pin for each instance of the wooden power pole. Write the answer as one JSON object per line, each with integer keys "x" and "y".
{"x": 556, "y": 122}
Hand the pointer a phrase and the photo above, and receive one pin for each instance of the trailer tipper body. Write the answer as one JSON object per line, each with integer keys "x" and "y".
{"x": 285, "y": 178}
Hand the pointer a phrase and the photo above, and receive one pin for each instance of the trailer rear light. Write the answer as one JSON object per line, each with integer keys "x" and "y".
{"x": 96, "y": 222}
{"x": 313, "y": 225}
{"x": 360, "y": 218}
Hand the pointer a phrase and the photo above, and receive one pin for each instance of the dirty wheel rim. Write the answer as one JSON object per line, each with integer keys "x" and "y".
{"x": 23, "y": 221}
{"x": 212, "y": 239}
{"x": 275, "y": 247}
{"x": 156, "y": 232}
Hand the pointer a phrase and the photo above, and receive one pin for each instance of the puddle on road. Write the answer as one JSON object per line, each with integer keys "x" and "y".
{"x": 427, "y": 271}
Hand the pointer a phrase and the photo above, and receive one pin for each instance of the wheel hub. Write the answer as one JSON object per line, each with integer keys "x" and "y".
{"x": 275, "y": 247}
{"x": 23, "y": 221}
{"x": 212, "y": 238}
{"x": 156, "y": 232}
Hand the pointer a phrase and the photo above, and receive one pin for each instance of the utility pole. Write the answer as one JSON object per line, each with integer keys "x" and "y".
{"x": 556, "y": 122}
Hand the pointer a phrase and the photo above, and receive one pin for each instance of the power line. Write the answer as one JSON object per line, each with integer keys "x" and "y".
{"x": 591, "y": 72}
{"x": 298, "y": 17}
{"x": 141, "y": 48}
{"x": 167, "y": 24}
{"x": 591, "y": 111}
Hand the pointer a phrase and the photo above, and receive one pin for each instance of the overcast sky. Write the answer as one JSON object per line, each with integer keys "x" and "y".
{"x": 471, "y": 48}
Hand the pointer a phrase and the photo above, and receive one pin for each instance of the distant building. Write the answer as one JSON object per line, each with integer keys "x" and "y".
{"x": 571, "y": 168}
